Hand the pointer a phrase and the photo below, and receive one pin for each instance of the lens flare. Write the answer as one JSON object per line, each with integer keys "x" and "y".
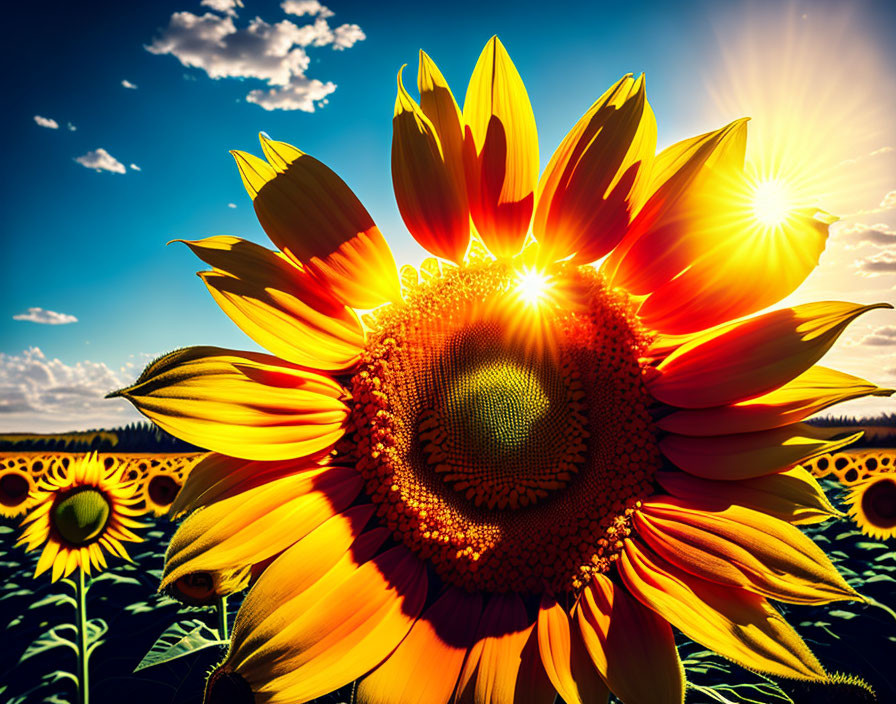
{"x": 771, "y": 203}
{"x": 532, "y": 286}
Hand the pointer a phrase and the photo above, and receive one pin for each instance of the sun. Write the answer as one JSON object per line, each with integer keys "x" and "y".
{"x": 532, "y": 286}
{"x": 772, "y": 202}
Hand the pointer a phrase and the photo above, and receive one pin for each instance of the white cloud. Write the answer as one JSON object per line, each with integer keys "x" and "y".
{"x": 134, "y": 167}
{"x": 127, "y": 84}
{"x": 273, "y": 53}
{"x": 50, "y": 124}
{"x": 47, "y": 317}
{"x": 225, "y": 7}
{"x": 45, "y": 395}
{"x": 889, "y": 201}
{"x": 231, "y": 205}
{"x": 882, "y": 263}
{"x": 857, "y": 234}
{"x": 305, "y": 7}
{"x": 71, "y": 127}
{"x": 882, "y": 336}
{"x": 101, "y": 160}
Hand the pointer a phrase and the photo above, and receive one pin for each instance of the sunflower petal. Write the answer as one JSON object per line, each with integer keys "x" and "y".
{"x": 812, "y": 391}
{"x": 255, "y": 524}
{"x": 632, "y": 648}
{"x": 217, "y": 477}
{"x": 735, "y": 623}
{"x": 748, "y": 455}
{"x": 747, "y": 268}
{"x": 439, "y": 106}
{"x": 240, "y": 403}
{"x": 576, "y": 680}
{"x": 739, "y": 547}
{"x": 442, "y": 635}
{"x": 339, "y": 636}
{"x": 748, "y": 358}
{"x": 500, "y": 151}
{"x": 596, "y": 178}
{"x": 432, "y": 203}
{"x": 279, "y": 305}
{"x": 660, "y": 241}
{"x": 793, "y": 495}
{"x": 489, "y": 675}
{"x": 313, "y": 216}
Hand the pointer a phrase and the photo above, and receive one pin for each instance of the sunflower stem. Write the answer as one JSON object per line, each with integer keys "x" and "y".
{"x": 223, "y": 632}
{"x": 83, "y": 682}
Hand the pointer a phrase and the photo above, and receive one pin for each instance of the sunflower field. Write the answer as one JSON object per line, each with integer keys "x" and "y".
{"x": 150, "y": 646}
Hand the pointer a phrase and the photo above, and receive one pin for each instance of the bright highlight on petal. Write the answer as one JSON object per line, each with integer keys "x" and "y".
{"x": 532, "y": 286}
{"x": 772, "y": 203}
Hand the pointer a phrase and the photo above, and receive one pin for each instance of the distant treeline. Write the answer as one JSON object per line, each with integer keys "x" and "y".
{"x": 134, "y": 437}
{"x": 880, "y": 431}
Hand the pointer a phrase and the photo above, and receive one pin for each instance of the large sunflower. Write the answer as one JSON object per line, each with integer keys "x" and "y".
{"x": 520, "y": 471}
{"x": 81, "y": 511}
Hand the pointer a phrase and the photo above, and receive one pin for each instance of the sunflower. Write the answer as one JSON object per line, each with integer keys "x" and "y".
{"x": 159, "y": 487}
{"x": 872, "y": 503}
{"x": 16, "y": 488}
{"x": 519, "y": 471}
{"x": 79, "y": 511}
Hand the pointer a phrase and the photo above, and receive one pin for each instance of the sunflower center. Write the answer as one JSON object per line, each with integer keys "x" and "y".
{"x": 13, "y": 489}
{"x": 162, "y": 490}
{"x": 879, "y": 503}
{"x": 80, "y": 517}
{"x": 505, "y": 443}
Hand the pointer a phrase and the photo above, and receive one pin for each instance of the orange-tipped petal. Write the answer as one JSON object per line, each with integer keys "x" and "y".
{"x": 313, "y": 216}
{"x": 574, "y": 677}
{"x": 500, "y": 151}
{"x": 746, "y": 267}
{"x": 739, "y": 547}
{"x": 241, "y": 404}
{"x": 748, "y": 455}
{"x": 340, "y": 629}
{"x": 812, "y": 391}
{"x": 735, "y": 623}
{"x": 748, "y": 358}
{"x": 424, "y": 668}
{"x": 661, "y": 241}
{"x": 255, "y": 524}
{"x": 438, "y": 104}
{"x": 632, "y": 648}
{"x": 595, "y": 180}
{"x": 431, "y": 199}
{"x": 793, "y": 495}
{"x": 279, "y": 305}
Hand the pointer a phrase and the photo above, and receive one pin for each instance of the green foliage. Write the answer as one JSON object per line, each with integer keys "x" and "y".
{"x": 178, "y": 640}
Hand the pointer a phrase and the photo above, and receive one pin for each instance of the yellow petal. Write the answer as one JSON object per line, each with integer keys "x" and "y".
{"x": 595, "y": 180}
{"x": 575, "y": 679}
{"x": 793, "y": 495}
{"x": 739, "y": 547}
{"x": 432, "y": 202}
{"x": 241, "y": 404}
{"x": 279, "y": 305}
{"x": 500, "y": 151}
{"x": 632, "y": 648}
{"x": 344, "y": 633}
{"x": 255, "y": 524}
{"x": 748, "y": 358}
{"x": 812, "y": 391}
{"x": 439, "y": 106}
{"x": 338, "y": 544}
{"x": 313, "y": 216}
{"x": 218, "y": 476}
{"x": 424, "y": 668}
{"x": 735, "y": 623}
{"x": 747, "y": 455}
{"x": 660, "y": 241}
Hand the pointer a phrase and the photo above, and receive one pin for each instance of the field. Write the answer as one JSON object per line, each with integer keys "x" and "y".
{"x": 147, "y": 647}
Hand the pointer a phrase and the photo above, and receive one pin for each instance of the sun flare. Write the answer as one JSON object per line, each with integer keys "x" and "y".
{"x": 772, "y": 202}
{"x": 532, "y": 286}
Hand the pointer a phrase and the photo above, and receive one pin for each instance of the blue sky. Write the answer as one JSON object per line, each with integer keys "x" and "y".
{"x": 90, "y": 244}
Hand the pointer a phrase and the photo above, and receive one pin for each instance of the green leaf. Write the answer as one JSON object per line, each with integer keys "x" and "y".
{"x": 870, "y": 546}
{"x": 178, "y": 640}
{"x": 842, "y": 614}
{"x": 116, "y": 578}
{"x": 5, "y": 529}
{"x": 49, "y": 640}
{"x": 54, "y": 599}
